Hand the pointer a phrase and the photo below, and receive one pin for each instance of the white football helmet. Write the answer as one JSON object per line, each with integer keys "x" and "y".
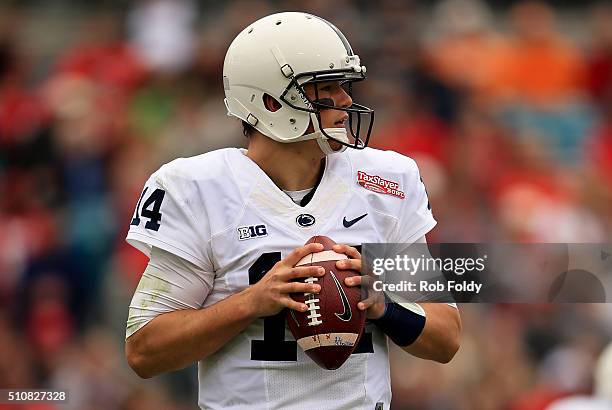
{"x": 278, "y": 55}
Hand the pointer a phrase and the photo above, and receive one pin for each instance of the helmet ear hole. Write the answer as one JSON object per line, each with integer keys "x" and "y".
{"x": 271, "y": 103}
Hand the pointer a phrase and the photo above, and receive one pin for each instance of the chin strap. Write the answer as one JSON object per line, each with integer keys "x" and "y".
{"x": 323, "y": 141}
{"x": 336, "y": 133}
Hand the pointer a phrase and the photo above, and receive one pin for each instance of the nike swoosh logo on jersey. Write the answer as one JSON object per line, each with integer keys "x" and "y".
{"x": 347, "y": 313}
{"x": 348, "y": 224}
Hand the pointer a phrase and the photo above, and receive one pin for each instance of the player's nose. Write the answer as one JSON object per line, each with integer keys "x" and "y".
{"x": 343, "y": 99}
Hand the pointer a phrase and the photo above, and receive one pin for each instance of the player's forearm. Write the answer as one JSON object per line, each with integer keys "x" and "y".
{"x": 439, "y": 340}
{"x": 174, "y": 340}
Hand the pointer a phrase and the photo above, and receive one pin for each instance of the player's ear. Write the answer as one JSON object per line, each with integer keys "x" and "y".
{"x": 271, "y": 103}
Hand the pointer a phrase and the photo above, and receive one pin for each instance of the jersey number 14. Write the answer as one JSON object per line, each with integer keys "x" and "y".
{"x": 150, "y": 209}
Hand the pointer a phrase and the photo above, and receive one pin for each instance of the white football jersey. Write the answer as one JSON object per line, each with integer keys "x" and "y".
{"x": 221, "y": 212}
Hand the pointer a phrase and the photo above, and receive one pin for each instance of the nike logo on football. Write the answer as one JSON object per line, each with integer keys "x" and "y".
{"x": 348, "y": 224}
{"x": 347, "y": 313}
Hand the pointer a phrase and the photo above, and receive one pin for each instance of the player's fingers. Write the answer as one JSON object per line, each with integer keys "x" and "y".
{"x": 300, "y": 287}
{"x": 354, "y": 264}
{"x": 292, "y": 304}
{"x": 357, "y": 280}
{"x": 302, "y": 272}
{"x": 367, "y": 302}
{"x": 349, "y": 251}
{"x": 298, "y": 253}
{"x": 365, "y": 282}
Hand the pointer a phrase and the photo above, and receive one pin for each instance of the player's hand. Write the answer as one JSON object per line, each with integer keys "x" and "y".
{"x": 373, "y": 303}
{"x": 271, "y": 294}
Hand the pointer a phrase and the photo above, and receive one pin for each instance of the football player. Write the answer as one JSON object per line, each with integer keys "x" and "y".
{"x": 223, "y": 231}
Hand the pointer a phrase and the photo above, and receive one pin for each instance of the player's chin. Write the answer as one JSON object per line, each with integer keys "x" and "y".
{"x": 335, "y": 145}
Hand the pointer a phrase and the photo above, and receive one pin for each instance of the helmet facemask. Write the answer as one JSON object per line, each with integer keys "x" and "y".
{"x": 360, "y": 118}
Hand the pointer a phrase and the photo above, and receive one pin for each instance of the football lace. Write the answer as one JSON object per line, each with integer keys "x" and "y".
{"x": 313, "y": 309}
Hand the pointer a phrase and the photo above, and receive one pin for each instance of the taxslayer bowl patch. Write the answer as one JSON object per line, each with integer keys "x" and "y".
{"x": 378, "y": 184}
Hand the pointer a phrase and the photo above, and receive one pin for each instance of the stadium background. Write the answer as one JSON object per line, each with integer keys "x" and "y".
{"x": 506, "y": 106}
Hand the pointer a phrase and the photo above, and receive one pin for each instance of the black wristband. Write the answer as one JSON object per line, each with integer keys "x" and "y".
{"x": 403, "y": 326}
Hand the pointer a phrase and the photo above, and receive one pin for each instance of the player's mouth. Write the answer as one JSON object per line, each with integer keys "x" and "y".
{"x": 341, "y": 122}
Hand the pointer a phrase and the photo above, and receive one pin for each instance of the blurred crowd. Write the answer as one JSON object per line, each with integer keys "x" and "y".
{"x": 507, "y": 111}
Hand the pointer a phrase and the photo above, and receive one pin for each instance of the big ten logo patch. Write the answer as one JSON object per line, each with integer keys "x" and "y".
{"x": 252, "y": 231}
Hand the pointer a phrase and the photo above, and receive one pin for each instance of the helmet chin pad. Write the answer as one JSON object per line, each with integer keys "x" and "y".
{"x": 323, "y": 135}
{"x": 326, "y": 148}
{"x": 323, "y": 141}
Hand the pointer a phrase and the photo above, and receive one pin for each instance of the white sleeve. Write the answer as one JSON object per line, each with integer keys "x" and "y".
{"x": 415, "y": 218}
{"x": 169, "y": 216}
{"x": 168, "y": 283}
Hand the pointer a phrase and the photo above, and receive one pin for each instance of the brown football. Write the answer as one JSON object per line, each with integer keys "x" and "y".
{"x": 330, "y": 329}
